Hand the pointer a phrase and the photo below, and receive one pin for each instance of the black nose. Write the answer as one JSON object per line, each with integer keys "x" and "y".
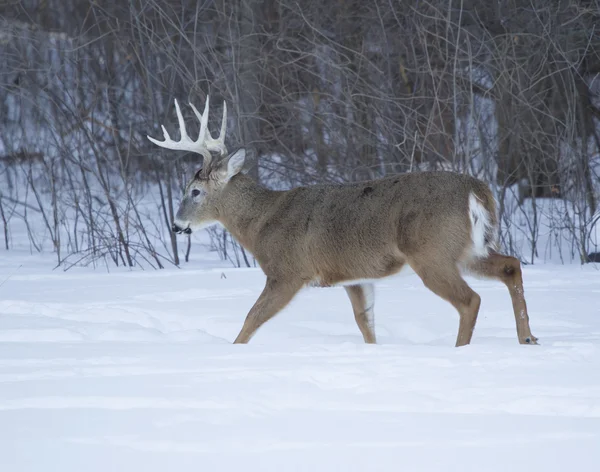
{"x": 178, "y": 229}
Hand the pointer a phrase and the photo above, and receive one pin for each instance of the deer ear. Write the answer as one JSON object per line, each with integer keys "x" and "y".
{"x": 235, "y": 163}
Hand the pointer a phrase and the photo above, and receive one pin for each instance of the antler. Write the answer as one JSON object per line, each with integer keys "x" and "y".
{"x": 205, "y": 142}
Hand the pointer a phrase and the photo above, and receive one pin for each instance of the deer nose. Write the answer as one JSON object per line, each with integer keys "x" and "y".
{"x": 178, "y": 229}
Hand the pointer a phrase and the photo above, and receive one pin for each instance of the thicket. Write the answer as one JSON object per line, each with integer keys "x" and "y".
{"x": 317, "y": 91}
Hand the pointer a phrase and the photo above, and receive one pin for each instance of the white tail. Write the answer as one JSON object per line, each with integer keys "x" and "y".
{"x": 438, "y": 223}
{"x": 482, "y": 228}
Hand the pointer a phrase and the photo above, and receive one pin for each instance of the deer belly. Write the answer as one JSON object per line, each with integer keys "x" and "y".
{"x": 356, "y": 275}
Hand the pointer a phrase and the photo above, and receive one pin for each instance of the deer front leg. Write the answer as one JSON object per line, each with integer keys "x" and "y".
{"x": 275, "y": 296}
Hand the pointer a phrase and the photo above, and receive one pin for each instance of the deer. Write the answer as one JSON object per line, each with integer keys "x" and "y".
{"x": 440, "y": 224}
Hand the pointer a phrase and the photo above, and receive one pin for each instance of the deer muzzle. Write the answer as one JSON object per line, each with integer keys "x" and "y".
{"x": 179, "y": 230}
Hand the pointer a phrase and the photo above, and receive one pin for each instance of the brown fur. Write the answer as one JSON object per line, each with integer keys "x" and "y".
{"x": 330, "y": 234}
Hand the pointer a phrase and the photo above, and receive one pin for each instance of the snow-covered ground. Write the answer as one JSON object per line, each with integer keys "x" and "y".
{"x": 135, "y": 371}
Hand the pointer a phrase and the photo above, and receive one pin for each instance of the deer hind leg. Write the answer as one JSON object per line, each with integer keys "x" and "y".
{"x": 508, "y": 270}
{"x": 362, "y": 297}
{"x": 448, "y": 284}
{"x": 274, "y": 297}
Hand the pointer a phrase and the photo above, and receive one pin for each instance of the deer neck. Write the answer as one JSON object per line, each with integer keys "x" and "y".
{"x": 242, "y": 206}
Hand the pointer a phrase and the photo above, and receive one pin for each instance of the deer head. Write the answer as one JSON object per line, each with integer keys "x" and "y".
{"x": 203, "y": 192}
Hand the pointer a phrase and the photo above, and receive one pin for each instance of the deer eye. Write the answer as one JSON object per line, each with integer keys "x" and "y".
{"x": 195, "y": 192}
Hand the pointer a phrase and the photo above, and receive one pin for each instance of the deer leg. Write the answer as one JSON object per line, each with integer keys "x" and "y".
{"x": 449, "y": 285}
{"x": 362, "y": 297}
{"x": 508, "y": 270}
{"x": 274, "y": 297}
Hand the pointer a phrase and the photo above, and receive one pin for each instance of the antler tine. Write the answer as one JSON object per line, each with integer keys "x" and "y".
{"x": 165, "y": 134}
{"x": 203, "y": 119}
{"x": 182, "y": 129}
{"x": 223, "y": 128}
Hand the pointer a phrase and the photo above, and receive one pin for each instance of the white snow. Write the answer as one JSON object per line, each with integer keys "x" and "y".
{"x": 135, "y": 371}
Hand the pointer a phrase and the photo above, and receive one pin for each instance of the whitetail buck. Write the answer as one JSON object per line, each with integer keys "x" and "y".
{"x": 439, "y": 223}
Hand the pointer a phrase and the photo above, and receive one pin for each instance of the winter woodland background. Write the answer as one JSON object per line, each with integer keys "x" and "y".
{"x": 318, "y": 91}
